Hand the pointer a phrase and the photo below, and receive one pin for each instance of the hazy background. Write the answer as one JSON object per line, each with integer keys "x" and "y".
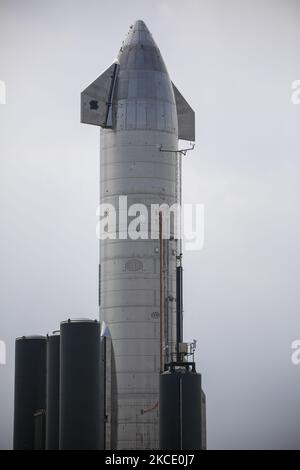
{"x": 234, "y": 61}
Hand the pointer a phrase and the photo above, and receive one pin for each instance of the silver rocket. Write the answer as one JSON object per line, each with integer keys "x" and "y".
{"x": 141, "y": 115}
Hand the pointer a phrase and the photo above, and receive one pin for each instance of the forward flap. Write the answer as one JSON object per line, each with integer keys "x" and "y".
{"x": 185, "y": 116}
{"x": 96, "y": 99}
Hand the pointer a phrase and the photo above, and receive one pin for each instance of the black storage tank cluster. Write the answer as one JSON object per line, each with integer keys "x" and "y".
{"x": 180, "y": 408}
{"x": 57, "y": 389}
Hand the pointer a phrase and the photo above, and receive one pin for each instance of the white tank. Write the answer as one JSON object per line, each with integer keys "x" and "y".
{"x": 139, "y": 111}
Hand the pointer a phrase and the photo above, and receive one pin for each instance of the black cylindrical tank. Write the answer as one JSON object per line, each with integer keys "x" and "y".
{"x": 30, "y": 389}
{"x": 52, "y": 391}
{"x": 79, "y": 385}
{"x": 180, "y": 409}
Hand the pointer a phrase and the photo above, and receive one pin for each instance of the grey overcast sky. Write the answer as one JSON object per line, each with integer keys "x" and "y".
{"x": 234, "y": 61}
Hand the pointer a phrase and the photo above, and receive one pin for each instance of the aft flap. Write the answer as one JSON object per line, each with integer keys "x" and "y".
{"x": 96, "y": 99}
{"x": 185, "y": 116}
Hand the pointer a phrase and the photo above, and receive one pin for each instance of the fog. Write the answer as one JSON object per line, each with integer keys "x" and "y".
{"x": 235, "y": 62}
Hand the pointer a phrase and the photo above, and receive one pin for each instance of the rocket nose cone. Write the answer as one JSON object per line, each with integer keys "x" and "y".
{"x": 139, "y": 25}
{"x": 138, "y": 34}
{"x": 139, "y": 50}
